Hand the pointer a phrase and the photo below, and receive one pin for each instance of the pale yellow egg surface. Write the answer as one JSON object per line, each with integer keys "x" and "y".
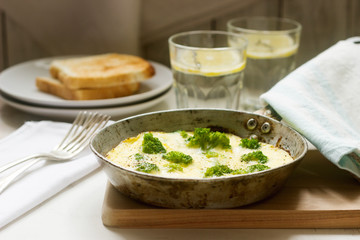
{"x": 214, "y": 162}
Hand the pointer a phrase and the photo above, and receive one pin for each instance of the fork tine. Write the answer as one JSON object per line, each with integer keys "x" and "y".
{"x": 75, "y": 140}
{"x": 74, "y": 128}
{"x": 96, "y": 124}
{"x": 91, "y": 124}
{"x": 88, "y": 125}
{"x": 79, "y": 145}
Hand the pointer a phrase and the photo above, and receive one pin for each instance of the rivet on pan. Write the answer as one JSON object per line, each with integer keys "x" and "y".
{"x": 266, "y": 127}
{"x": 251, "y": 124}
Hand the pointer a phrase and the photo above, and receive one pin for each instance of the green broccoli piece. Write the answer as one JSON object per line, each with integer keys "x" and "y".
{"x": 184, "y": 134}
{"x": 257, "y": 168}
{"x": 210, "y": 154}
{"x": 217, "y": 170}
{"x": 220, "y": 170}
{"x": 174, "y": 167}
{"x": 255, "y": 156}
{"x": 239, "y": 171}
{"x": 138, "y": 157}
{"x": 178, "y": 157}
{"x": 147, "y": 167}
{"x": 200, "y": 138}
{"x": 152, "y": 145}
{"x": 250, "y": 143}
{"x": 206, "y": 139}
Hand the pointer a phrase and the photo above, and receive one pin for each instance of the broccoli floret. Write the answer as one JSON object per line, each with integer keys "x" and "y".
{"x": 219, "y": 139}
{"x": 257, "y": 168}
{"x": 205, "y": 139}
{"x": 250, "y": 143}
{"x": 239, "y": 171}
{"x": 174, "y": 167}
{"x": 138, "y": 157}
{"x": 217, "y": 170}
{"x": 250, "y": 169}
{"x": 178, "y": 157}
{"x": 147, "y": 167}
{"x": 200, "y": 138}
{"x": 152, "y": 145}
{"x": 210, "y": 154}
{"x": 254, "y": 156}
{"x": 220, "y": 170}
{"x": 183, "y": 134}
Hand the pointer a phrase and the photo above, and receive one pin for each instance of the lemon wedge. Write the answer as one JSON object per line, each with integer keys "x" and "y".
{"x": 209, "y": 62}
{"x": 270, "y": 46}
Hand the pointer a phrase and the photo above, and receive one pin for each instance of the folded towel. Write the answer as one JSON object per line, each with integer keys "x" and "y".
{"x": 45, "y": 178}
{"x": 321, "y": 100}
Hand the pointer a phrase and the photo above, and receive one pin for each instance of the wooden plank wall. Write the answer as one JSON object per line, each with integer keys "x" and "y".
{"x": 3, "y": 51}
{"x": 42, "y": 28}
{"x": 324, "y": 23}
{"x": 213, "y": 16}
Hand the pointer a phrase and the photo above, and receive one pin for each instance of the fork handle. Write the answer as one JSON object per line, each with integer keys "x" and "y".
{"x": 5, "y": 182}
{"x": 16, "y": 162}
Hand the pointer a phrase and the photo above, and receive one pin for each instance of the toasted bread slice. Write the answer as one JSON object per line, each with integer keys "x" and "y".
{"x": 106, "y": 70}
{"x": 55, "y": 87}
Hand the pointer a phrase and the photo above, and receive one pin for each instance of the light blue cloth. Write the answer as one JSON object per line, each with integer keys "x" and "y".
{"x": 321, "y": 100}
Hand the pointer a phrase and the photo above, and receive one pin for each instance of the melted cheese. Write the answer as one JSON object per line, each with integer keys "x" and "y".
{"x": 124, "y": 155}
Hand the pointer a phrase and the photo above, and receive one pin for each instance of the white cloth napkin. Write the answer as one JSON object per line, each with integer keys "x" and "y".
{"x": 321, "y": 100}
{"x": 45, "y": 178}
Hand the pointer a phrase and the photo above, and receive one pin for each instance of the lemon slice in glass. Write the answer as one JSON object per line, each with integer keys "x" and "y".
{"x": 209, "y": 62}
{"x": 270, "y": 46}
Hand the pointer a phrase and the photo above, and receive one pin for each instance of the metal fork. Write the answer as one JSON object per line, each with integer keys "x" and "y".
{"x": 76, "y": 139}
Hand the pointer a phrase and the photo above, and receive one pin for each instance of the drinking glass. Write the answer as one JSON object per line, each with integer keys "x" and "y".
{"x": 208, "y": 68}
{"x": 272, "y": 47}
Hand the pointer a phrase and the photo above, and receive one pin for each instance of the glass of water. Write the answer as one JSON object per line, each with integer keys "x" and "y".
{"x": 272, "y": 47}
{"x": 208, "y": 68}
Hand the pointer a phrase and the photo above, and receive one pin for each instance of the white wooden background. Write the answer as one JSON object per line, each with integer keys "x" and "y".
{"x": 42, "y": 28}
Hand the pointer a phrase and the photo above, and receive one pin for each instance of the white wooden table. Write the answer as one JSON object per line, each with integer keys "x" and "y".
{"x": 75, "y": 212}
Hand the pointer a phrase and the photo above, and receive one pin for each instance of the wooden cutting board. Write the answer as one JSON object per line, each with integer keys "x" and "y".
{"x": 317, "y": 195}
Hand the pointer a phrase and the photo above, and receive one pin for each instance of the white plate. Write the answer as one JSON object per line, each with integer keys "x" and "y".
{"x": 19, "y": 82}
{"x": 70, "y": 113}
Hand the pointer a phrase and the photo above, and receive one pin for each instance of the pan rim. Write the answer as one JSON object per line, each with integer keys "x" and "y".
{"x": 210, "y": 179}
